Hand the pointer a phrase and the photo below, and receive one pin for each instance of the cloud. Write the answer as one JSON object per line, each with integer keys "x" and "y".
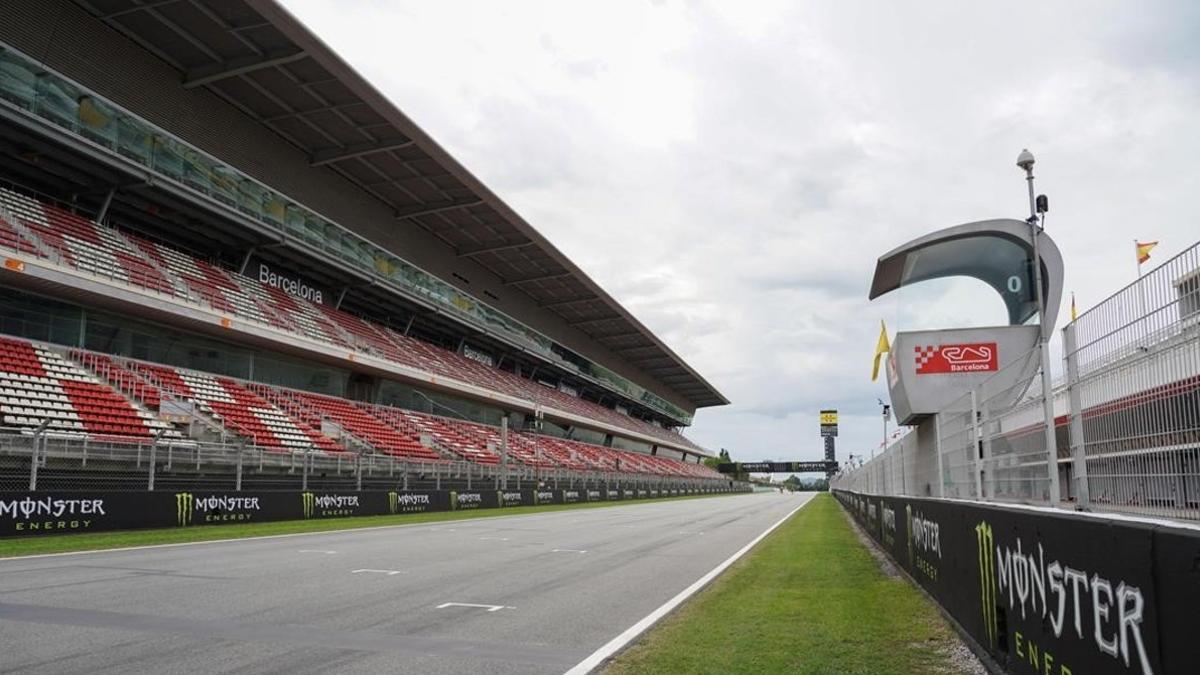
{"x": 731, "y": 171}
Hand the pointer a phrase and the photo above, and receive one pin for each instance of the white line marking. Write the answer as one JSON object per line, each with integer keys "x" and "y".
{"x": 567, "y": 550}
{"x": 390, "y": 573}
{"x": 493, "y": 539}
{"x": 490, "y": 608}
{"x": 315, "y": 550}
{"x": 618, "y": 643}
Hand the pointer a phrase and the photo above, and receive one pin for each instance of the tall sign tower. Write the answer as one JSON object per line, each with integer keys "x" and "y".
{"x": 829, "y": 428}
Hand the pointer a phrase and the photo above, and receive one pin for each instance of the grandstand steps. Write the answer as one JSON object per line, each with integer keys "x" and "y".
{"x": 41, "y": 389}
{"x": 142, "y": 392}
{"x": 42, "y": 250}
{"x": 180, "y": 286}
{"x": 139, "y": 394}
{"x": 291, "y": 403}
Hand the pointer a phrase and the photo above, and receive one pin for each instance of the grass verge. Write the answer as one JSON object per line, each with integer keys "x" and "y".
{"x": 97, "y": 541}
{"x": 809, "y": 599}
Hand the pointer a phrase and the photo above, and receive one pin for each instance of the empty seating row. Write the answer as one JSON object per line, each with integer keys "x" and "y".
{"x": 359, "y": 423}
{"x": 39, "y": 386}
{"x": 91, "y": 247}
{"x": 240, "y": 410}
{"x": 80, "y": 243}
{"x": 123, "y": 379}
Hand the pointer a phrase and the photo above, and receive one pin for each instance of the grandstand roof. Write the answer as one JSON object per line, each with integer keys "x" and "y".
{"x": 261, "y": 59}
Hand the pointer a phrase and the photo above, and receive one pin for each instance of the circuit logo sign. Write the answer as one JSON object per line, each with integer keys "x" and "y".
{"x": 975, "y": 357}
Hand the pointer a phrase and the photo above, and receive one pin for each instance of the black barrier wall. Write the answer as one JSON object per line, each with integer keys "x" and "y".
{"x": 48, "y": 513}
{"x": 1046, "y": 592}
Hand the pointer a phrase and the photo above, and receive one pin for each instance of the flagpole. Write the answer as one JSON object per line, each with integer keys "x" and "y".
{"x": 1137, "y": 256}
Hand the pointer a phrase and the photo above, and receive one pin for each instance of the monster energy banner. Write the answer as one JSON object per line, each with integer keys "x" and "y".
{"x": 1046, "y": 592}
{"x": 48, "y": 513}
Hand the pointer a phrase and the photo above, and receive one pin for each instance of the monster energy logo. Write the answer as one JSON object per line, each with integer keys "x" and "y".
{"x": 310, "y": 501}
{"x": 987, "y": 579}
{"x": 453, "y": 501}
{"x": 393, "y": 501}
{"x": 184, "y": 505}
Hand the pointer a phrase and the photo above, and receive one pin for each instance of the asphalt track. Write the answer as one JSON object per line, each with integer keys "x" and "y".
{"x": 539, "y": 594}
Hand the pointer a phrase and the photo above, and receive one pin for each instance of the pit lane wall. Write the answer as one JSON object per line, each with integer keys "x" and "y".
{"x": 49, "y": 512}
{"x": 1052, "y": 593}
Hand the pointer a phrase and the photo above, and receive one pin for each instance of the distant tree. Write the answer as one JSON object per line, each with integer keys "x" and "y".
{"x": 792, "y": 482}
{"x": 724, "y": 458}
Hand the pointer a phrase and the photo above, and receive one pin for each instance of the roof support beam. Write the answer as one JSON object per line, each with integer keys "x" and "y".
{"x": 331, "y": 155}
{"x": 568, "y": 302}
{"x": 537, "y": 277}
{"x": 628, "y": 347}
{"x": 198, "y": 77}
{"x": 584, "y": 322}
{"x": 467, "y": 253}
{"x": 645, "y": 364}
{"x": 435, "y": 207}
{"x": 135, "y": 8}
{"x": 310, "y": 111}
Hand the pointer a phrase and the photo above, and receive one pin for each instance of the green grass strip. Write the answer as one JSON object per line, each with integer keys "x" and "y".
{"x": 96, "y": 541}
{"x": 809, "y": 598}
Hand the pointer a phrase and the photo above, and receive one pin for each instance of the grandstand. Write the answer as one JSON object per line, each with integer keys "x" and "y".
{"x": 218, "y": 238}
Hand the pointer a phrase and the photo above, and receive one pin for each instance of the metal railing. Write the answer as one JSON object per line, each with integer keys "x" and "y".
{"x": 42, "y": 460}
{"x": 1127, "y": 416}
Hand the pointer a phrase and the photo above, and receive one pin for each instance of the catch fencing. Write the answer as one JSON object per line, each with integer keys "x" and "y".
{"x": 1126, "y": 427}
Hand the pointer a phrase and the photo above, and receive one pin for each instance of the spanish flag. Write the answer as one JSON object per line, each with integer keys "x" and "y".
{"x": 1143, "y": 250}
{"x": 880, "y": 347}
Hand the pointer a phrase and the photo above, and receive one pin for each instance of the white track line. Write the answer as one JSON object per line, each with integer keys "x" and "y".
{"x": 621, "y": 641}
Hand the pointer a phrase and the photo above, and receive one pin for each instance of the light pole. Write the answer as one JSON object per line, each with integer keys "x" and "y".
{"x": 1037, "y": 205}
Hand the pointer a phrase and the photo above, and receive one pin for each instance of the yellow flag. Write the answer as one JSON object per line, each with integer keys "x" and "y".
{"x": 880, "y": 347}
{"x": 1073, "y": 314}
{"x": 1143, "y": 250}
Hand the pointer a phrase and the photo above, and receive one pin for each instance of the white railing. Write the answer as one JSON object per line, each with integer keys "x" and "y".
{"x": 30, "y": 460}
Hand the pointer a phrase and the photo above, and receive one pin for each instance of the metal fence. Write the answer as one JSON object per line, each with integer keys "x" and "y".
{"x": 48, "y": 461}
{"x": 1127, "y": 416}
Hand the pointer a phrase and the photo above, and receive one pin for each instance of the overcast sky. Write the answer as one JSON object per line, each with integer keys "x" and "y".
{"x": 730, "y": 171}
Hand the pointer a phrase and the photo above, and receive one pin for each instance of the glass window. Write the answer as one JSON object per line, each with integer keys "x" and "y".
{"x": 98, "y": 121}
{"x": 57, "y": 101}
{"x": 18, "y": 80}
{"x": 37, "y": 318}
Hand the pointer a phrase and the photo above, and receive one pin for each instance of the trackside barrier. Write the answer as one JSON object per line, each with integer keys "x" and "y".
{"x": 1049, "y": 592}
{"x": 50, "y": 512}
